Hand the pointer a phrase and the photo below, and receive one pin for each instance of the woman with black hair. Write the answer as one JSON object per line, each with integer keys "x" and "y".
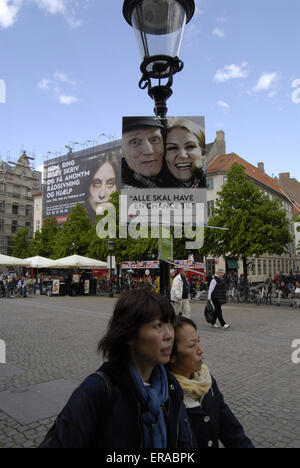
{"x": 146, "y": 408}
{"x": 104, "y": 181}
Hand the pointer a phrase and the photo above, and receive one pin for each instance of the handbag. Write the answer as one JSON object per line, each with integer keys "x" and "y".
{"x": 209, "y": 311}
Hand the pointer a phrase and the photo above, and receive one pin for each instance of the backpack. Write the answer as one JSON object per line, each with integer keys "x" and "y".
{"x": 108, "y": 390}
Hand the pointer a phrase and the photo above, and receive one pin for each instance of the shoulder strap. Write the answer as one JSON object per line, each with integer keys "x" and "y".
{"x": 108, "y": 389}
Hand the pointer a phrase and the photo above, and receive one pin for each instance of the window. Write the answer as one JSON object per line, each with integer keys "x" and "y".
{"x": 28, "y": 225}
{"x": 15, "y": 209}
{"x": 259, "y": 266}
{"x": 29, "y": 193}
{"x": 14, "y": 226}
{"x": 210, "y": 183}
{"x": 1, "y": 225}
{"x": 2, "y": 188}
{"x": 225, "y": 178}
{"x": 253, "y": 266}
{"x": 264, "y": 267}
{"x": 2, "y": 207}
{"x": 210, "y": 208}
{"x": 38, "y": 225}
{"x": 16, "y": 191}
{"x": 270, "y": 267}
{"x": 38, "y": 205}
{"x": 28, "y": 211}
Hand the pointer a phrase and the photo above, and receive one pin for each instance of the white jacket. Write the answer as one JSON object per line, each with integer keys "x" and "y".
{"x": 177, "y": 288}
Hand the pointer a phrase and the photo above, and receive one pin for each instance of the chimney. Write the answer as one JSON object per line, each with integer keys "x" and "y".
{"x": 261, "y": 166}
{"x": 284, "y": 176}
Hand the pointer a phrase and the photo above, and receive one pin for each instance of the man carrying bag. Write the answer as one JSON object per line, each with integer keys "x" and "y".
{"x": 217, "y": 295}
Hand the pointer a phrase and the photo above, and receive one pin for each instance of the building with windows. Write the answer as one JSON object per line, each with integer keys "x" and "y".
{"x": 18, "y": 181}
{"x": 260, "y": 268}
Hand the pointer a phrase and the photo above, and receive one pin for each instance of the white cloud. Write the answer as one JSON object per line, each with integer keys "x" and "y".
{"x": 232, "y": 71}
{"x": 218, "y": 33}
{"x": 68, "y": 100}
{"x": 60, "y": 85}
{"x": 9, "y": 10}
{"x": 267, "y": 82}
{"x": 224, "y": 106}
{"x": 44, "y": 84}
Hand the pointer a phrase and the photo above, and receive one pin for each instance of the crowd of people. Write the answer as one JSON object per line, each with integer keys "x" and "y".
{"x": 12, "y": 284}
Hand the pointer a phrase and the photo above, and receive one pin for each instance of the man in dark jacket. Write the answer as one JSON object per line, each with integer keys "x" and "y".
{"x": 217, "y": 295}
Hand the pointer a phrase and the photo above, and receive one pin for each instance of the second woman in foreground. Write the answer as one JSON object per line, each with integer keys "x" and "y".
{"x": 211, "y": 418}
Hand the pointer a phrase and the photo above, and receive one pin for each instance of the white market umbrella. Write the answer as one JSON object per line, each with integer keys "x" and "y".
{"x": 40, "y": 262}
{"x": 6, "y": 260}
{"x": 79, "y": 262}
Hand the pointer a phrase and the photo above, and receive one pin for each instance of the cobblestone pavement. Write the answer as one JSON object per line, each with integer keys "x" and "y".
{"x": 48, "y": 339}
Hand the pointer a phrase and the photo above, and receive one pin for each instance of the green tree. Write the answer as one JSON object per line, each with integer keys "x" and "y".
{"x": 21, "y": 244}
{"x": 74, "y": 236}
{"x": 124, "y": 249}
{"x": 256, "y": 225}
{"x": 43, "y": 242}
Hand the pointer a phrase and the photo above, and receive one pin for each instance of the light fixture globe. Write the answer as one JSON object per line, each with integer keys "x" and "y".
{"x": 158, "y": 24}
{"x": 159, "y": 27}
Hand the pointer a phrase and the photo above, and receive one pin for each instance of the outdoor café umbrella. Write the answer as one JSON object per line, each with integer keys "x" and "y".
{"x": 6, "y": 260}
{"x": 77, "y": 261}
{"x": 40, "y": 262}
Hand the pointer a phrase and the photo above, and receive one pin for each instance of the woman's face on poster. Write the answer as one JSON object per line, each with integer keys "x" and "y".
{"x": 102, "y": 186}
{"x": 183, "y": 153}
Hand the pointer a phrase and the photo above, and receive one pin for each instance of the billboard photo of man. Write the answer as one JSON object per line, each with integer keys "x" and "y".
{"x": 142, "y": 151}
{"x": 168, "y": 154}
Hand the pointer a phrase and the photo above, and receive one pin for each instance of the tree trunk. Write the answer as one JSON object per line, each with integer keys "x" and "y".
{"x": 245, "y": 268}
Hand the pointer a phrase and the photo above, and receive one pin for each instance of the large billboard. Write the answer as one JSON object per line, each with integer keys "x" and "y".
{"x": 87, "y": 177}
{"x": 164, "y": 175}
{"x": 166, "y": 153}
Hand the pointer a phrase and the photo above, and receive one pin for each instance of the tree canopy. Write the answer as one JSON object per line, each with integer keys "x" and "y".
{"x": 256, "y": 225}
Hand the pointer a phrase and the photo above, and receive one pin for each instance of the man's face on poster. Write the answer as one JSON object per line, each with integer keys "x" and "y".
{"x": 143, "y": 150}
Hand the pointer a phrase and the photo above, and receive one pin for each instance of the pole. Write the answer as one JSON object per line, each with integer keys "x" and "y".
{"x": 111, "y": 294}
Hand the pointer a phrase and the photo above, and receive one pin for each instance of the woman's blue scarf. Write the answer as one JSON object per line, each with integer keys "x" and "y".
{"x": 153, "y": 398}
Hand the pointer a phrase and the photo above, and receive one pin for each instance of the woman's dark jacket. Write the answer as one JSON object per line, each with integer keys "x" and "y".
{"x": 214, "y": 421}
{"x": 86, "y": 422}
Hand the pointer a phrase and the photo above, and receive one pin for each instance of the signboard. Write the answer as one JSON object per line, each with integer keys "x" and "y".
{"x": 85, "y": 177}
{"x": 164, "y": 175}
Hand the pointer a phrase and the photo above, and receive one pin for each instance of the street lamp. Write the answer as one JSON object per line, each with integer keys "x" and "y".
{"x": 110, "y": 249}
{"x": 159, "y": 27}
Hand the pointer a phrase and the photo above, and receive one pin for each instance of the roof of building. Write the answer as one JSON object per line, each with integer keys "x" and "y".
{"x": 223, "y": 163}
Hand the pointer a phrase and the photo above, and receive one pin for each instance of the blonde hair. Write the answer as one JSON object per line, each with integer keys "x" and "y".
{"x": 189, "y": 126}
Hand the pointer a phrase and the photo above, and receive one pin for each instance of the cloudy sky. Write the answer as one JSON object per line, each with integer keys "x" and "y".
{"x": 69, "y": 71}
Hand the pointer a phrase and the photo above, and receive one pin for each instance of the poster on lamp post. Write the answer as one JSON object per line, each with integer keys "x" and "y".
{"x": 164, "y": 170}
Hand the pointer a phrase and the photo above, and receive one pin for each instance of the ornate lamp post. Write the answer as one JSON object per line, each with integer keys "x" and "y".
{"x": 159, "y": 27}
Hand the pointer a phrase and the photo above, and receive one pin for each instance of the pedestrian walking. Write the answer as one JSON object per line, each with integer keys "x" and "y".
{"x": 217, "y": 295}
{"x": 210, "y": 417}
{"x": 145, "y": 408}
{"x": 180, "y": 294}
